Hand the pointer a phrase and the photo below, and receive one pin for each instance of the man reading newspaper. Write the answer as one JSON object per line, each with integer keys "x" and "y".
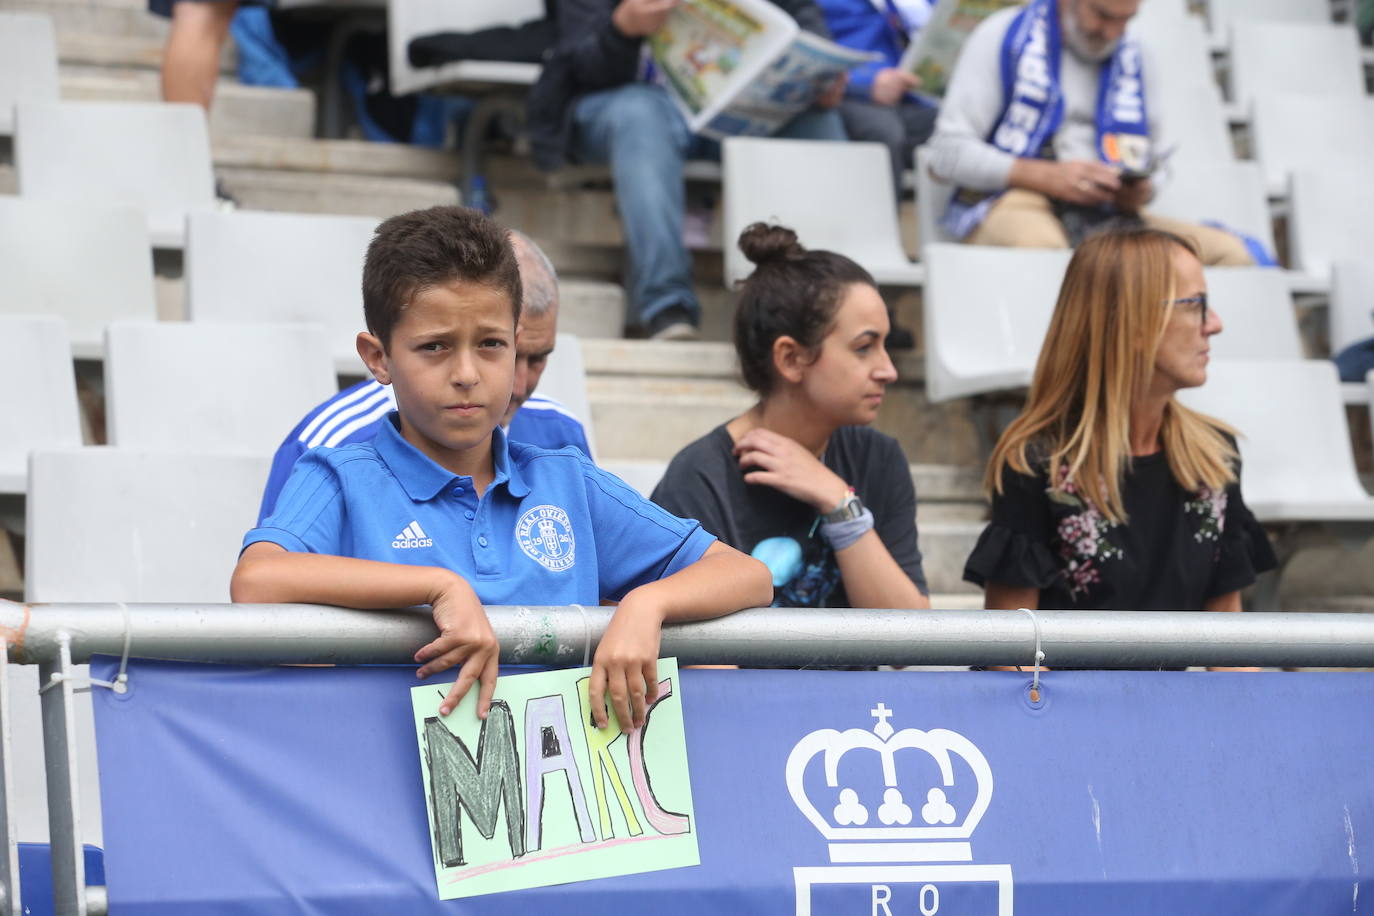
{"x": 1049, "y": 128}
{"x": 598, "y": 101}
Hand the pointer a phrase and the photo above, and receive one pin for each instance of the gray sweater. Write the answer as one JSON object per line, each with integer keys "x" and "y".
{"x": 960, "y": 153}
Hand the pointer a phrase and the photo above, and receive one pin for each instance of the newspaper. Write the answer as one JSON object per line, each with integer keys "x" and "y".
{"x": 936, "y": 47}
{"x": 743, "y": 67}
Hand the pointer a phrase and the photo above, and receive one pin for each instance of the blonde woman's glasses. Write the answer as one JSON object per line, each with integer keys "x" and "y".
{"x": 1197, "y": 304}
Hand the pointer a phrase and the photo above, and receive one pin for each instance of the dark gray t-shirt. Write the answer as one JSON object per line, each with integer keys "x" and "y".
{"x": 704, "y": 482}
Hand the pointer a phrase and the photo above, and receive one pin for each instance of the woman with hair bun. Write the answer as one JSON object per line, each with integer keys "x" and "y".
{"x": 799, "y": 480}
{"x": 1107, "y": 493}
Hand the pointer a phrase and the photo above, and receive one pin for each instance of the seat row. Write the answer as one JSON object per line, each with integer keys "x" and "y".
{"x": 180, "y": 387}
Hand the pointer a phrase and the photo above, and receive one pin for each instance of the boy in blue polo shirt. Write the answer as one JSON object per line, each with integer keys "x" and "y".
{"x": 440, "y": 509}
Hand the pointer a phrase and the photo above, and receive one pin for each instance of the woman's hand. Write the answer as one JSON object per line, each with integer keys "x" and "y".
{"x": 466, "y": 638}
{"x": 776, "y": 461}
{"x": 626, "y": 663}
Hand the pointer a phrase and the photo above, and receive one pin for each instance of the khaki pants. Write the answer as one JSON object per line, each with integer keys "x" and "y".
{"x": 1025, "y": 219}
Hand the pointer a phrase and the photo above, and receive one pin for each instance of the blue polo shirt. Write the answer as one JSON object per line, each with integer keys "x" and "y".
{"x": 355, "y": 414}
{"x": 552, "y": 529}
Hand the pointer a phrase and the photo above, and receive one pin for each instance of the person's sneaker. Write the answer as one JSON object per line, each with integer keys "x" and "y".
{"x": 673, "y": 323}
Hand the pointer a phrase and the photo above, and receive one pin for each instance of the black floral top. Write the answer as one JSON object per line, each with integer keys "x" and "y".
{"x": 1176, "y": 550}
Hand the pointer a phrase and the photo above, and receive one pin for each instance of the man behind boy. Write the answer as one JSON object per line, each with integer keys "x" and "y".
{"x": 355, "y": 414}
{"x": 440, "y": 509}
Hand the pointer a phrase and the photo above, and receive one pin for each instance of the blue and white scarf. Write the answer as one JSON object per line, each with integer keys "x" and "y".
{"x": 1034, "y": 106}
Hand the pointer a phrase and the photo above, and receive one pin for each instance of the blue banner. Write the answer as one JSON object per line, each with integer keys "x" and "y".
{"x": 297, "y": 790}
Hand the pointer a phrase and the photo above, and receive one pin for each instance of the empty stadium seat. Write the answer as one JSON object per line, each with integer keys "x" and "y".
{"x": 1352, "y": 301}
{"x": 1351, "y": 315}
{"x": 37, "y": 395}
{"x": 108, "y": 524}
{"x": 199, "y": 387}
{"x": 85, "y": 264}
{"x": 836, "y": 196}
{"x": 1231, "y": 193}
{"x": 986, "y": 312}
{"x": 1183, "y": 84}
{"x": 1293, "y": 132}
{"x": 1331, "y": 219}
{"x": 932, "y": 197}
{"x": 28, "y": 64}
{"x": 154, "y": 157}
{"x": 1294, "y": 438}
{"x": 1256, "y": 310}
{"x": 1297, "y": 57}
{"x": 407, "y": 19}
{"x": 281, "y": 267}
{"x": 117, "y": 524}
{"x": 565, "y": 380}
{"x": 1222, "y": 14}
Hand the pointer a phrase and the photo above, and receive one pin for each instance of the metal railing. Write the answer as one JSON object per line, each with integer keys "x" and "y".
{"x": 57, "y": 637}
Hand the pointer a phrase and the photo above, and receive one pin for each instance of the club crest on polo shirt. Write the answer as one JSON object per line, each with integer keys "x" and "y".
{"x": 545, "y": 534}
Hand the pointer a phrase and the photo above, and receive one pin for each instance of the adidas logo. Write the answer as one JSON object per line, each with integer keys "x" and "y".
{"x": 412, "y": 536}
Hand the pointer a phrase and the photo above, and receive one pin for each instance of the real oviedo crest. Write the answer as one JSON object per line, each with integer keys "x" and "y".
{"x": 545, "y": 534}
{"x": 898, "y": 809}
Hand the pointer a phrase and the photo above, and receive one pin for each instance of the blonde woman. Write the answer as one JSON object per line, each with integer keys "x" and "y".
{"x": 1106, "y": 492}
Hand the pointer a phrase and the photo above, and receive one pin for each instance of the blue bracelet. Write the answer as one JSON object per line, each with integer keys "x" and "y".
{"x": 842, "y": 534}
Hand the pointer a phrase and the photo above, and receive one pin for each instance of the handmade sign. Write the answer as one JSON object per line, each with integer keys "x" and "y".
{"x": 538, "y": 795}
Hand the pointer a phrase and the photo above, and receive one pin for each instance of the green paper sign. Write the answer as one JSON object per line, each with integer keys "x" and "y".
{"x": 538, "y": 795}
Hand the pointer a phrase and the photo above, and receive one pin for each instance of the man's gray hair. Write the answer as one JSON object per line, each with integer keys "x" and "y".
{"x": 540, "y": 281}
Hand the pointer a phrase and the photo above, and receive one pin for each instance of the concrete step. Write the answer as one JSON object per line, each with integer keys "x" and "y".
{"x": 334, "y": 157}
{"x": 649, "y": 399}
{"x": 945, "y": 547}
{"x": 112, "y": 18}
{"x": 313, "y": 192}
{"x": 121, "y": 52}
{"x": 281, "y": 114}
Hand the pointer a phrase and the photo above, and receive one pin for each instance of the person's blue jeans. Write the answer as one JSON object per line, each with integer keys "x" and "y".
{"x": 640, "y": 133}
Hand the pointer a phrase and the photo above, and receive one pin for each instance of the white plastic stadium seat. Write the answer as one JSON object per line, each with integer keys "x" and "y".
{"x": 196, "y": 387}
{"x": 28, "y": 64}
{"x": 565, "y": 380}
{"x": 1351, "y": 315}
{"x": 110, "y": 524}
{"x": 1298, "y": 57}
{"x": 1224, "y": 13}
{"x": 1256, "y": 309}
{"x": 38, "y": 406}
{"x": 1332, "y": 218}
{"x": 932, "y": 197}
{"x": 114, "y": 524}
{"x": 835, "y": 196}
{"x": 1231, "y": 193}
{"x": 986, "y": 313}
{"x": 1293, "y": 132}
{"x": 407, "y": 19}
{"x": 1295, "y": 444}
{"x": 281, "y": 267}
{"x": 88, "y": 265}
{"x": 1185, "y": 81}
{"x": 1352, "y": 301}
{"x": 154, "y": 157}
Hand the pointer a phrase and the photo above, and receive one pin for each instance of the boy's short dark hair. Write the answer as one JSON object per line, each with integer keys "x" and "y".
{"x": 426, "y": 248}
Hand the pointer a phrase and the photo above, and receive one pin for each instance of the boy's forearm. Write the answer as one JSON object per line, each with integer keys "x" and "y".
{"x": 722, "y": 581}
{"x": 283, "y": 577}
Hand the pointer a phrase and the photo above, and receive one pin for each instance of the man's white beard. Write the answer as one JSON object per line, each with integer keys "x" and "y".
{"x": 1080, "y": 45}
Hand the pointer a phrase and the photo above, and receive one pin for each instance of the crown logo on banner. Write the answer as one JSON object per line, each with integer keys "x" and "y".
{"x": 892, "y": 813}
